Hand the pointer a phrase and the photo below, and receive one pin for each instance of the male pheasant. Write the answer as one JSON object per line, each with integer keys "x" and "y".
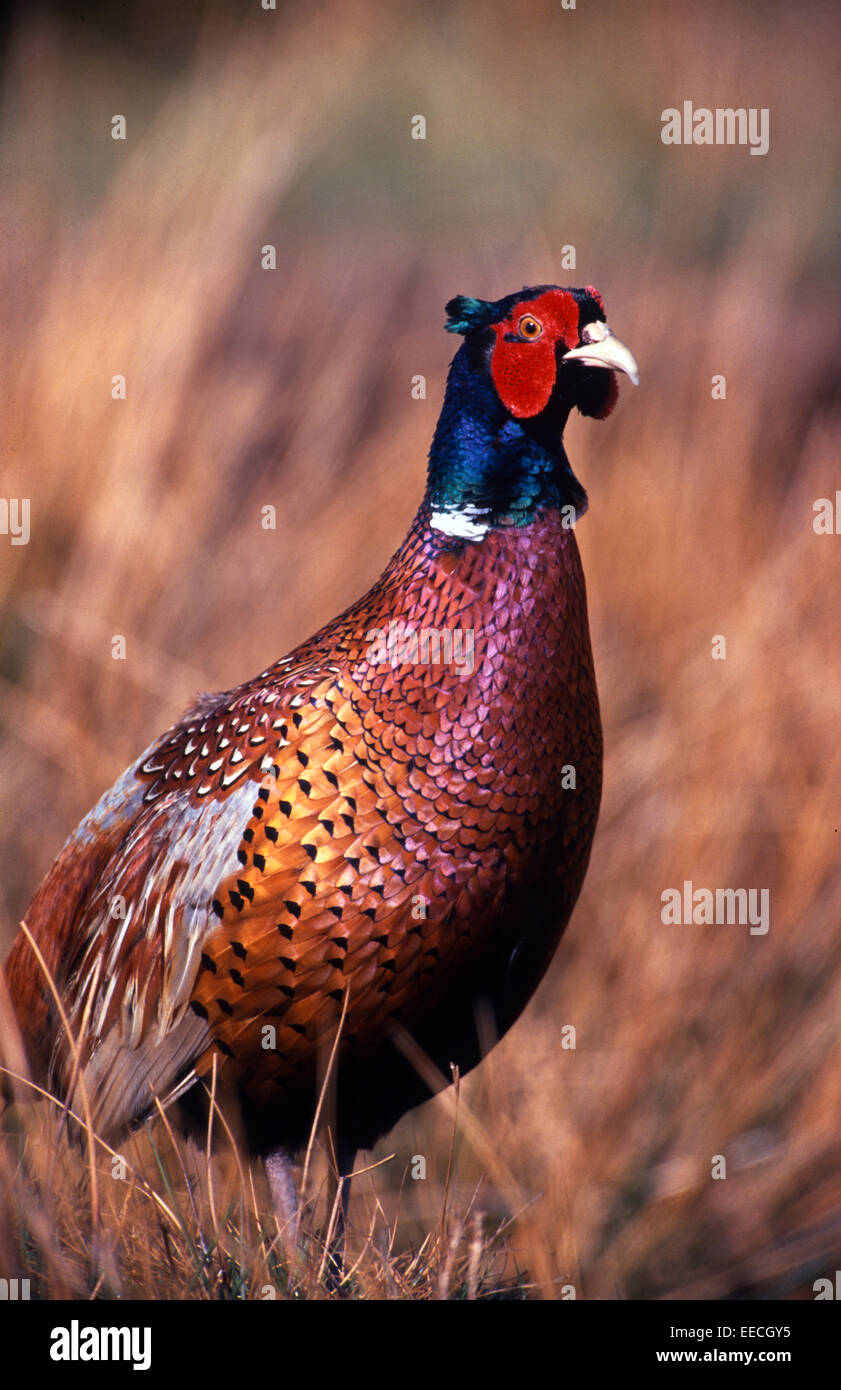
{"x": 392, "y": 822}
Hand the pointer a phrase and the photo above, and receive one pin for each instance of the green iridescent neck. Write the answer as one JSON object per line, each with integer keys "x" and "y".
{"x": 484, "y": 464}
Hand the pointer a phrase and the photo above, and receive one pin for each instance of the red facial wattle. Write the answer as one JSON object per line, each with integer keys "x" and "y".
{"x": 524, "y": 370}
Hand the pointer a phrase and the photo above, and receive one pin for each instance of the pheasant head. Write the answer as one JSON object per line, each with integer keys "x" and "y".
{"x": 526, "y": 362}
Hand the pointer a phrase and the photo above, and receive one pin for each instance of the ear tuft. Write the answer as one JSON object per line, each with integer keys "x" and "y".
{"x": 465, "y": 314}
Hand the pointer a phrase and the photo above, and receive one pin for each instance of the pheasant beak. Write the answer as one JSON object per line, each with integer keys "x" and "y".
{"x": 601, "y": 348}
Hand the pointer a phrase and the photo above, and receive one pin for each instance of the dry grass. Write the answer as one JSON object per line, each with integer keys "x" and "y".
{"x": 292, "y": 388}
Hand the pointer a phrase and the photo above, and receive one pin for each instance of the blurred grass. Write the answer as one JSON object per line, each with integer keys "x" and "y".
{"x": 292, "y": 388}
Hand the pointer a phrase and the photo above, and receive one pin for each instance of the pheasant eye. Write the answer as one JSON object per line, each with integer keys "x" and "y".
{"x": 529, "y": 327}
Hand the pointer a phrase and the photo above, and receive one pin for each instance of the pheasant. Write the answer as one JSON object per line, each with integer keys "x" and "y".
{"x": 383, "y": 832}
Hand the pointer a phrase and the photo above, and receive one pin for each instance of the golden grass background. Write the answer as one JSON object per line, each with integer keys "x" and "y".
{"x": 292, "y": 388}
